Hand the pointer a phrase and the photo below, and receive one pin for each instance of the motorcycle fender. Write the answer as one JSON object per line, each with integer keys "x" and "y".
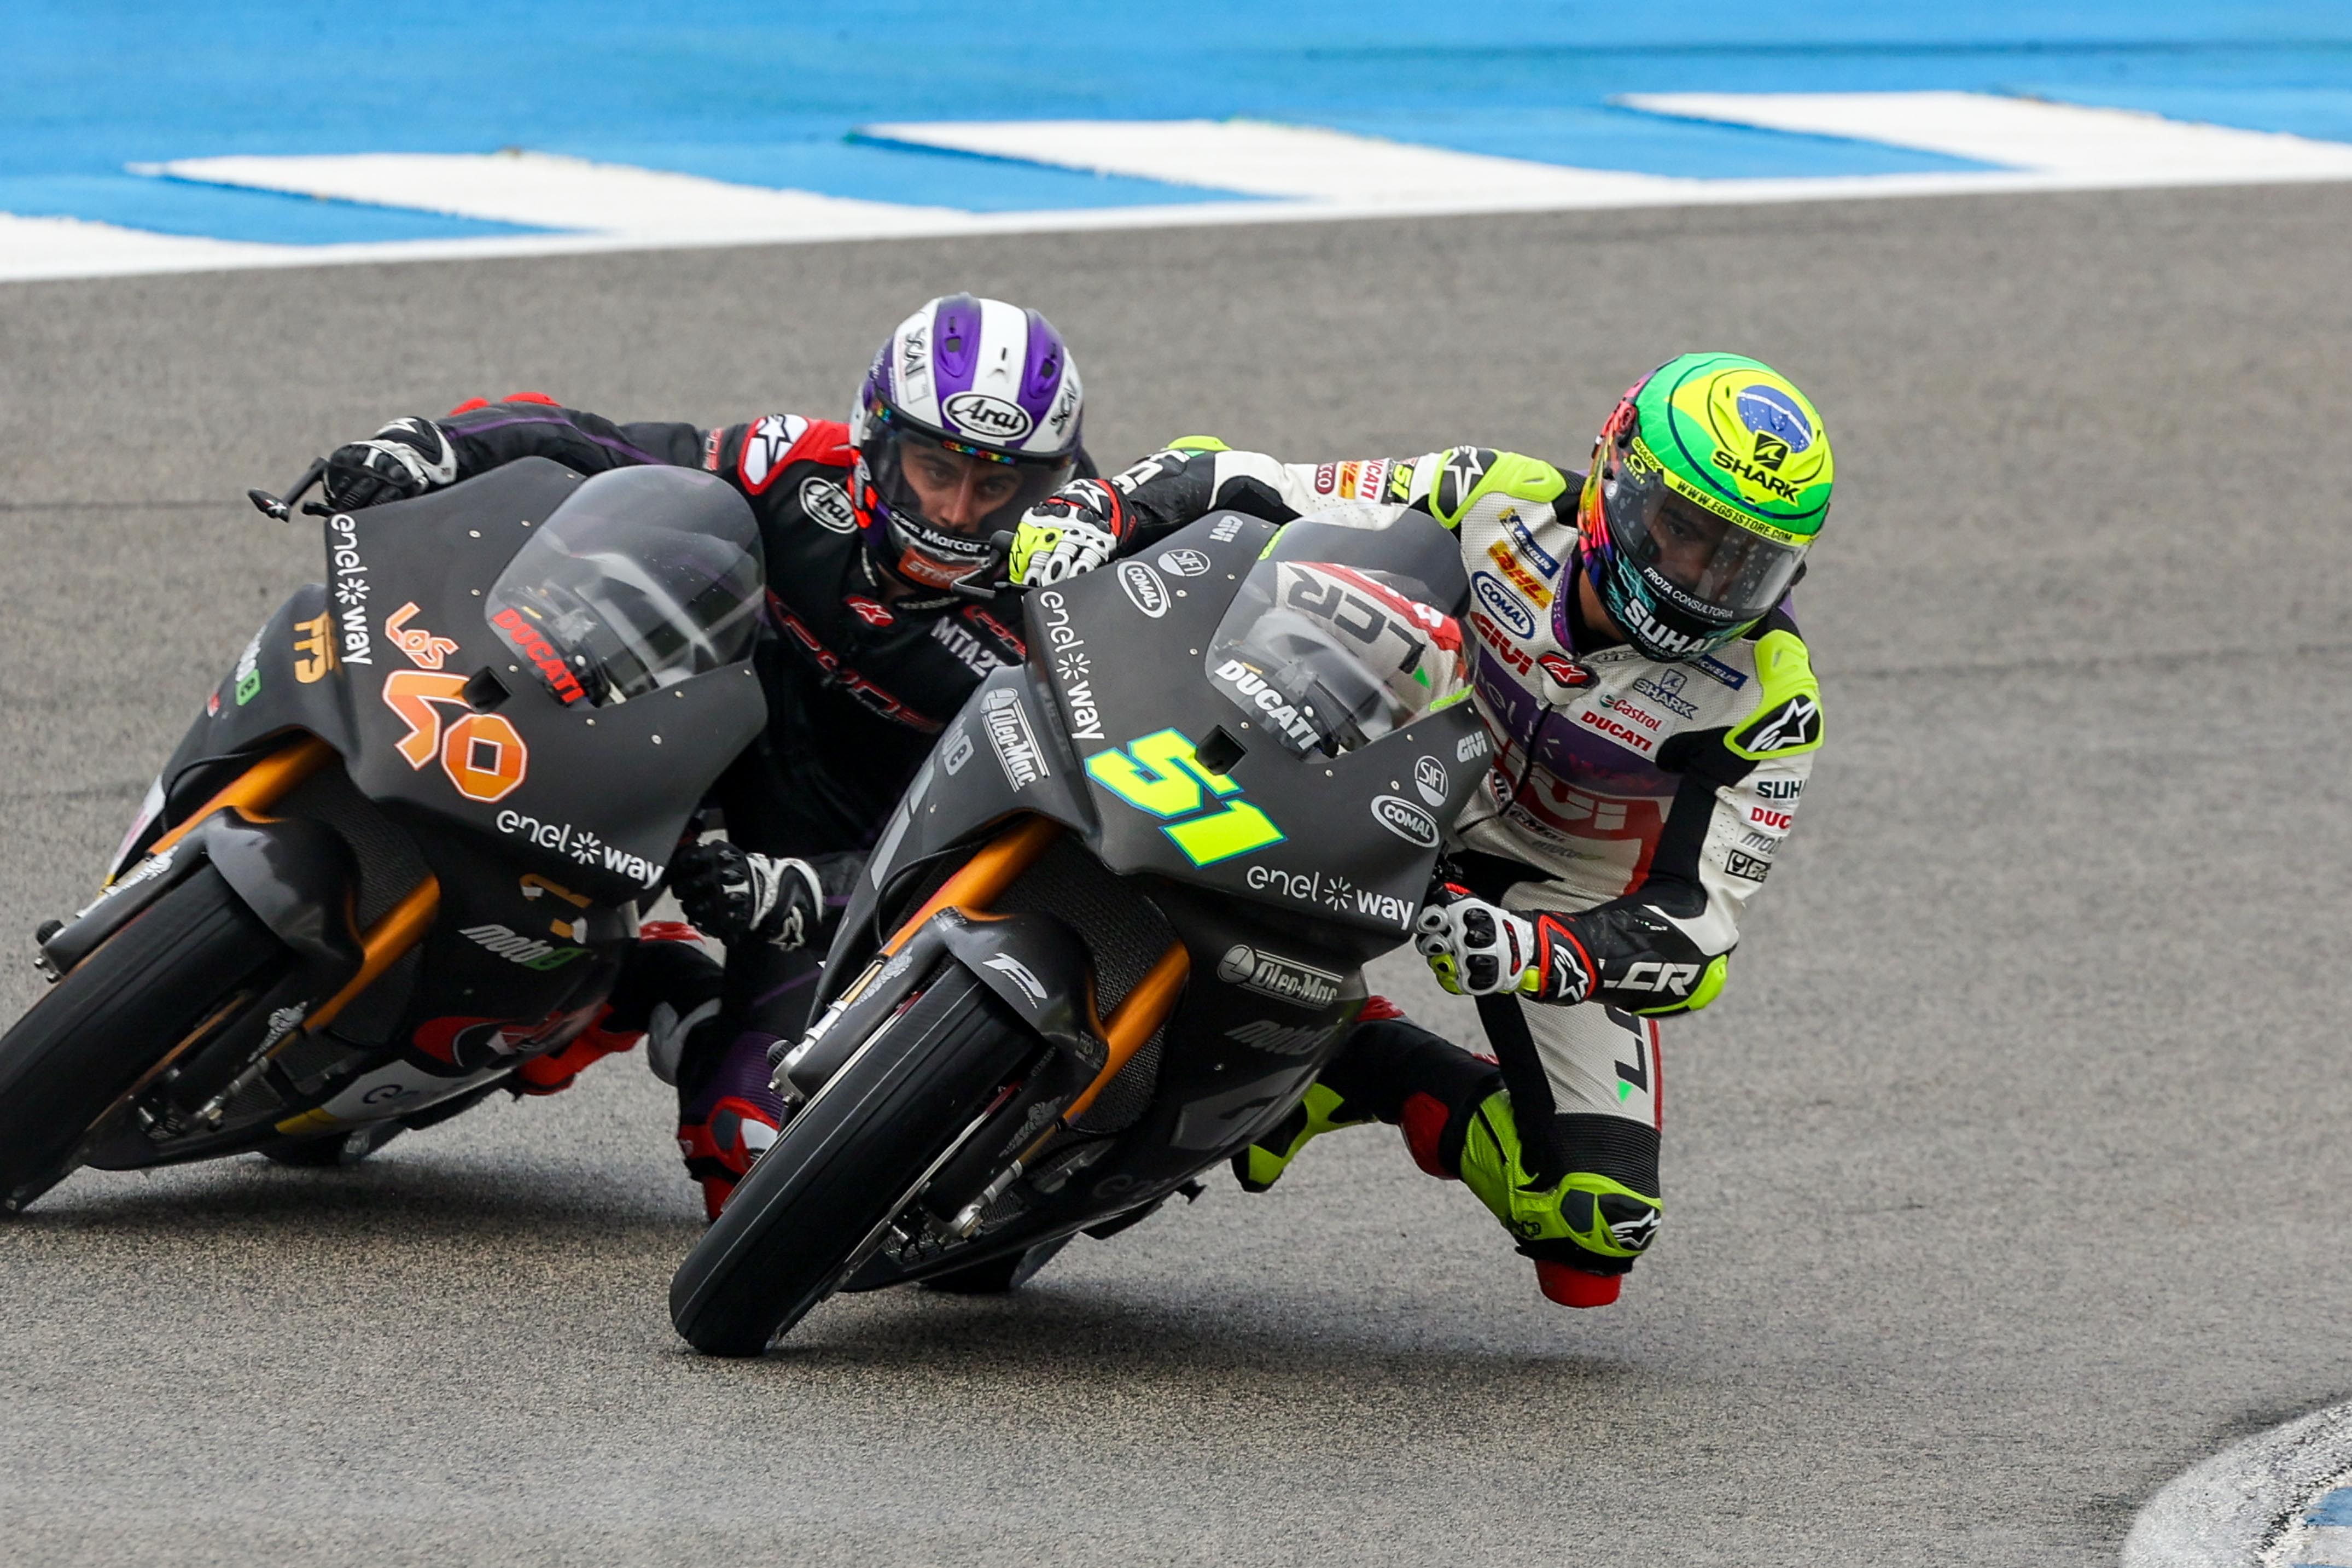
{"x": 1040, "y": 969}
{"x": 124, "y": 897}
{"x": 297, "y": 877}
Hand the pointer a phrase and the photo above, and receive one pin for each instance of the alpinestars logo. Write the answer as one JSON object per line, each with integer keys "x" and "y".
{"x": 764, "y": 447}
{"x": 1795, "y": 723}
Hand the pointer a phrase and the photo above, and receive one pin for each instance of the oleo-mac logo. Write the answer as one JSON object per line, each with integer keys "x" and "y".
{"x": 1284, "y": 979}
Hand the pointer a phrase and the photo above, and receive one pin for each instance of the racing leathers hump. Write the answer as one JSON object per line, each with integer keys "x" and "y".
{"x": 1651, "y": 798}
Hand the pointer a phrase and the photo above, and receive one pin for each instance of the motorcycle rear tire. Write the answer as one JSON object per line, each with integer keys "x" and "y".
{"x": 113, "y": 1017}
{"x": 842, "y": 1166}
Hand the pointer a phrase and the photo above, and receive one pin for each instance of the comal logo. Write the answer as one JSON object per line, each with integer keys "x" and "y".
{"x": 1144, "y": 589}
{"x": 1405, "y": 819}
{"x": 983, "y": 414}
{"x": 1502, "y": 605}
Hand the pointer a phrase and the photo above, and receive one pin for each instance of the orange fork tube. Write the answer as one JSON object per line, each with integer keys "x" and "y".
{"x": 264, "y": 784}
{"x": 403, "y": 927}
{"x": 983, "y": 878}
{"x": 1141, "y": 1012}
{"x": 258, "y": 787}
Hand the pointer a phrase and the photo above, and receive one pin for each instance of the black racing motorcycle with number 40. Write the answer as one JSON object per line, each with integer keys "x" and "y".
{"x": 399, "y": 855}
{"x": 1118, "y": 921}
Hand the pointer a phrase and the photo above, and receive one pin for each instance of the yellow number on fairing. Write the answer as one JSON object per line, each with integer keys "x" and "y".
{"x": 1236, "y": 830}
{"x": 1160, "y": 774}
{"x": 1157, "y": 774}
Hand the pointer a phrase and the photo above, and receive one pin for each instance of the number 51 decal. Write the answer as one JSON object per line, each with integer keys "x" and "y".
{"x": 482, "y": 753}
{"x": 1160, "y": 774}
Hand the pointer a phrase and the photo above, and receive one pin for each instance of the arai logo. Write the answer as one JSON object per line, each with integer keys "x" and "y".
{"x": 1405, "y": 819}
{"x": 828, "y": 503}
{"x": 1499, "y": 601}
{"x": 1183, "y": 562}
{"x": 992, "y": 416}
{"x": 1144, "y": 588}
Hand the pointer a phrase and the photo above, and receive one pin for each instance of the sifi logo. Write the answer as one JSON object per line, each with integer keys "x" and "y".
{"x": 1430, "y": 781}
{"x": 1183, "y": 562}
{"x": 984, "y": 415}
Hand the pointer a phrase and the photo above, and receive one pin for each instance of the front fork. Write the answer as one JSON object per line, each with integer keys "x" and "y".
{"x": 954, "y": 924}
{"x": 296, "y": 877}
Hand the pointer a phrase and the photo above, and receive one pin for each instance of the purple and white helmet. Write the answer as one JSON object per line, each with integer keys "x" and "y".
{"x": 969, "y": 417}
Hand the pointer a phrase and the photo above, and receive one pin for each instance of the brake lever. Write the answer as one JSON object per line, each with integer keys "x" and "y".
{"x": 1002, "y": 539}
{"x": 281, "y": 509}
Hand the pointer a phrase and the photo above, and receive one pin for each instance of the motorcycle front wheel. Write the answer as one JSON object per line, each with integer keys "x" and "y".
{"x": 846, "y": 1167}
{"x": 153, "y": 993}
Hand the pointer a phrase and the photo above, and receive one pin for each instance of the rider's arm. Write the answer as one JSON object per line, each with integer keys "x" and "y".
{"x": 585, "y": 442}
{"x": 1663, "y": 948}
{"x": 1197, "y": 476}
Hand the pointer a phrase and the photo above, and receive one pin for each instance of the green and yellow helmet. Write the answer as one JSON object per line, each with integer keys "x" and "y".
{"x": 1708, "y": 484}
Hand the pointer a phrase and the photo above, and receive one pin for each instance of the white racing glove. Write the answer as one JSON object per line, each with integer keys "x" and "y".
{"x": 1074, "y": 530}
{"x": 741, "y": 897}
{"x": 1481, "y": 949}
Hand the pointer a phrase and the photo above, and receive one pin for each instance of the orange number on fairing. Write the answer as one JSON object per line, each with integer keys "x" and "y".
{"x": 483, "y": 757}
{"x": 483, "y": 754}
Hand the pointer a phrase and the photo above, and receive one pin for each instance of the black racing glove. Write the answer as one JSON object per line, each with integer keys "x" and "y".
{"x": 739, "y": 897}
{"x": 405, "y": 458}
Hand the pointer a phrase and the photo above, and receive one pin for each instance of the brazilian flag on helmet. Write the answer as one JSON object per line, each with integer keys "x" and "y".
{"x": 1708, "y": 484}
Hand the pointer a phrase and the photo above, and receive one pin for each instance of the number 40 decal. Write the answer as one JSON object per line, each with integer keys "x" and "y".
{"x": 1161, "y": 775}
{"x": 482, "y": 753}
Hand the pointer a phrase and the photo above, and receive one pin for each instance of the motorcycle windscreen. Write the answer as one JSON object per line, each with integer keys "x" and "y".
{"x": 1348, "y": 628}
{"x": 642, "y": 578}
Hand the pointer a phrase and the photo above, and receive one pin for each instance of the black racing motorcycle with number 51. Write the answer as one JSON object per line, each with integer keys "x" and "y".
{"x": 1118, "y": 921}
{"x": 400, "y": 853}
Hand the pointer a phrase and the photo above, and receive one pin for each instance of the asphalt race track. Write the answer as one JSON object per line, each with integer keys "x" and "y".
{"x": 2010, "y": 1177}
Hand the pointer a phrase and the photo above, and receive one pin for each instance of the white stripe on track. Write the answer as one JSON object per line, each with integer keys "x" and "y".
{"x": 2122, "y": 144}
{"x": 544, "y": 191}
{"x": 2242, "y": 1508}
{"x": 1260, "y": 159}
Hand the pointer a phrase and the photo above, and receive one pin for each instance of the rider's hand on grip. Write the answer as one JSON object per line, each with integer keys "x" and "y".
{"x": 738, "y": 896}
{"x": 1074, "y": 530}
{"x": 1475, "y": 948}
{"x": 405, "y": 458}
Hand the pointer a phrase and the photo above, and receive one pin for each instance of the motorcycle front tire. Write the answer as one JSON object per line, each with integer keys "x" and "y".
{"x": 843, "y": 1166}
{"x": 114, "y": 1017}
